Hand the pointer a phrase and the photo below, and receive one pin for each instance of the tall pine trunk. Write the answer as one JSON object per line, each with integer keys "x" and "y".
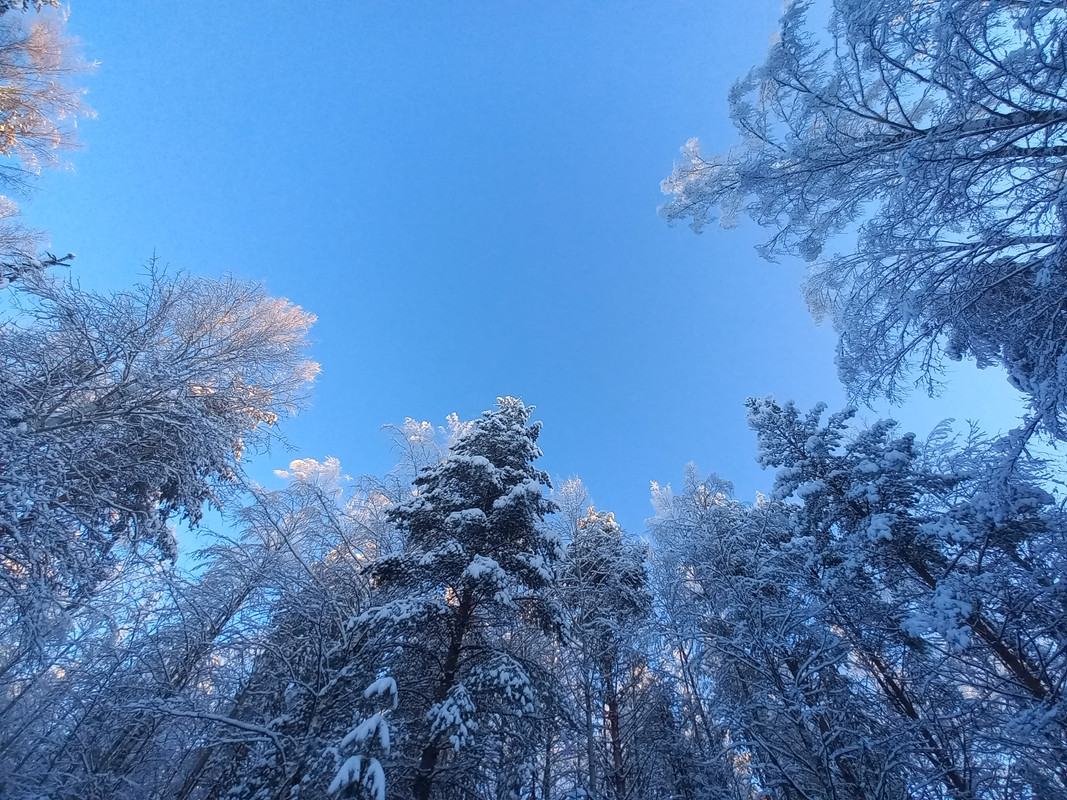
{"x": 611, "y": 714}
{"x": 422, "y": 787}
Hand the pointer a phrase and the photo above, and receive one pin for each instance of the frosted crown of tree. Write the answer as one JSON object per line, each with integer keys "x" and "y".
{"x": 936, "y": 132}
{"x": 120, "y": 412}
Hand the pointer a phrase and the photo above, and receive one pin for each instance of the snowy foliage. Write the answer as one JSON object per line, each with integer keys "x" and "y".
{"x": 362, "y": 769}
{"x": 39, "y": 109}
{"x": 935, "y": 132}
{"x": 118, "y": 415}
{"x": 886, "y": 623}
{"x": 473, "y": 571}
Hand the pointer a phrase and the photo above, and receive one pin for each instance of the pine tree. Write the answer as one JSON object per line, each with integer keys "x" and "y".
{"x": 605, "y": 587}
{"x": 937, "y": 567}
{"x": 474, "y": 570}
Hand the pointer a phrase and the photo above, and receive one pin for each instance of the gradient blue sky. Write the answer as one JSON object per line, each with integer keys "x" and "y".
{"x": 465, "y": 194}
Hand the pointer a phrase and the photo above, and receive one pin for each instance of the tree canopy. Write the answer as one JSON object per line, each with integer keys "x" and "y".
{"x": 887, "y": 622}
{"x": 932, "y": 135}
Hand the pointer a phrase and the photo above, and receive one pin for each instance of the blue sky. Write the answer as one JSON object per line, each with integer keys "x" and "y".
{"x": 465, "y": 194}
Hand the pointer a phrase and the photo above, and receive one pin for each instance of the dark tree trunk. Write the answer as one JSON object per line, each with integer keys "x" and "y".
{"x": 422, "y": 787}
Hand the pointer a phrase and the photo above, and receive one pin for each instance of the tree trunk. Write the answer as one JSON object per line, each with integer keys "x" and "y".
{"x": 590, "y": 739}
{"x": 546, "y": 776}
{"x": 957, "y": 785}
{"x": 611, "y": 713}
{"x": 423, "y": 784}
{"x": 1017, "y": 663}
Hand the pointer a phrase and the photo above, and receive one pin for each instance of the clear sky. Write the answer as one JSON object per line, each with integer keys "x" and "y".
{"x": 465, "y": 194}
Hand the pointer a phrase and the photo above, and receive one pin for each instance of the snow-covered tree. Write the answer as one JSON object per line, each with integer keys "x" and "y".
{"x": 203, "y": 666}
{"x": 936, "y": 133}
{"x": 757, "y": 670}
{"x": 939, "y": 569}
{"x": 304, "y": 658}
{"x": 605, "y": 587}
{"x": 118, "y": 414}
{"x": 38, "y": 111}
{"x": 886, "y": 624}
{"x": 472, "y": 576}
